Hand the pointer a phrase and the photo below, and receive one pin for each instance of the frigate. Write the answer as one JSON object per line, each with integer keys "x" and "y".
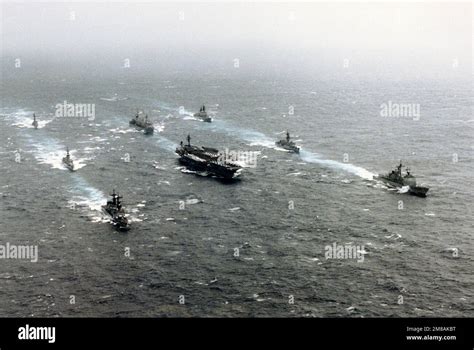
{"x": 288, "y": 144}
{"x": 398, "y": 180}
{"x": 114, "y": 209}
{"x": 203, "y": 115}
{"x": 35, "y": 122}
{"x": 67, "y": 161}
{"x": 143, "y": 123}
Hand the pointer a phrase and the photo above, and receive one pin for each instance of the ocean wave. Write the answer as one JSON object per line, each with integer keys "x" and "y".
{"x": 23, "y": 118}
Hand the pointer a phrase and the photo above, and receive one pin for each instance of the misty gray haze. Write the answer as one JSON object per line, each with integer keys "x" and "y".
{"x": 385, "y": 39}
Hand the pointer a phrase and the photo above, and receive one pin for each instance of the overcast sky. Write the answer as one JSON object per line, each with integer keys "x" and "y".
{"x": 430, "y": 36}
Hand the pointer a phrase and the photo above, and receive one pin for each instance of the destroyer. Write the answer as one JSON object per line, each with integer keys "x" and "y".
{"x": 207, "y": 160}
{"x": 396, "y": 179}
{"x": 143, "y": 123}
{"x": 114, "y": 209}
{"x": 67, "y": 161}
{"x": 203, "y": 115}
{"x": 35, "y": 122}
{"x": 288, "y": 144}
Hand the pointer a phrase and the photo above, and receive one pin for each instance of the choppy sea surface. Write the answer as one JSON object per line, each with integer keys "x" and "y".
{"x": 280, "y": 215}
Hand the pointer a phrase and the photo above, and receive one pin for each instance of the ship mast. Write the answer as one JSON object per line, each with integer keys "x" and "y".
{"x": 400, "y": 169}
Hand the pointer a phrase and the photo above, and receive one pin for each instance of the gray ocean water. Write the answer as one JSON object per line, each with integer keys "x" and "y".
{"x": 422, "y": 252}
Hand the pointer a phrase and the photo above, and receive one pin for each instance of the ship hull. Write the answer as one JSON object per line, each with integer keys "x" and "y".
{"x": 109, "y": 211}
{"x": 106, "y": 211}
{"x": 203, "y": 117}
{"x": 417, "y": 191}
{"x": 148, "y": 129}
{"x": 206, "y": 119}
{"x": 68, "y": 166}
{"x": 293, "y": 149}
{"x": 390, "y": 183}
{"x": 210, "y": 168}
{"x": 120, "y": 226}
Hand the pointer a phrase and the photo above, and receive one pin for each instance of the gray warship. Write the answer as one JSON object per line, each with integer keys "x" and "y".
{"x": 35, "y": 122}
{"x": 396, "y": 179}
{"x": 114, "y": 209}
{"x": 288, "y": 144}
{"x": 208, "y": 160}
{"x": 143, "y": 123}
{"x": 67, "y": 161}
{"x": 203, "y": 115}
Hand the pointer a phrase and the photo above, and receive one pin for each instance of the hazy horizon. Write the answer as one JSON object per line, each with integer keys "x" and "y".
{"x": 364, "y": 39}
